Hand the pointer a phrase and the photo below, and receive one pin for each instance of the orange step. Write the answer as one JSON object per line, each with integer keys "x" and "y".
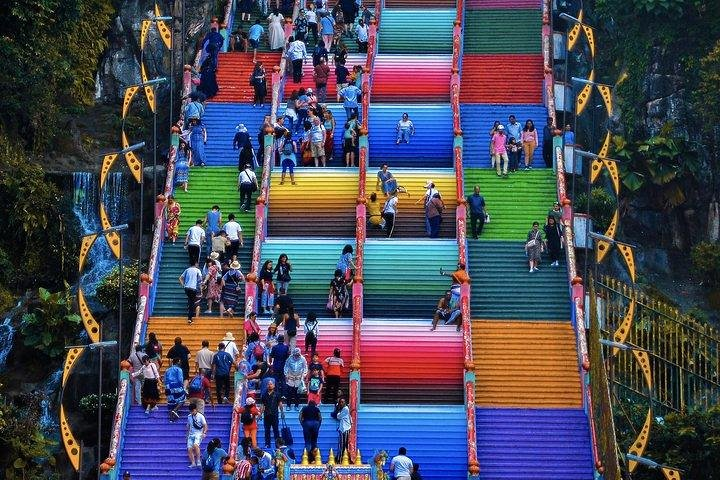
{"x": 525, "y": 364}
{"x": 211, "y": 328}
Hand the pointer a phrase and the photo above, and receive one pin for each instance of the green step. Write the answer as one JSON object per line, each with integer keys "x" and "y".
{"x": 513, "y": 203}
{"x": 402, "y": 278}
{"x": 416, "y": 31}
{"x": 170, "y": 299}
{"x": 502, "y": 31}
{"x": 502, "y": 287}
{"x": 313, "y": 262}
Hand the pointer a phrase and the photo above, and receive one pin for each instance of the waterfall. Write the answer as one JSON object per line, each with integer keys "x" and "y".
{"x": 49, "y": 390}
{"x": 7, "y": 335}
{"x": 86, "y": 206}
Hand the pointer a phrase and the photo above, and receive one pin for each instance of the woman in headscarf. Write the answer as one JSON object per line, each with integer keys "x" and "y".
{"x": 259, "y": 83}
{"x": 296, "y": 369}
{"x": 338, "y": 296}
{"x": 198, "y": 139}
{"x": 553, "y": 237}
{"x": 242, "y": 142}
{"x": 182, "y": 166}
{"x": 208, "y": 70}
{"x": 276, "y": 33}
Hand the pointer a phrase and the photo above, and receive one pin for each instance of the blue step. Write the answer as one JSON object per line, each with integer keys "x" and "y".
{"x": 220, "y": 121}
{"x": 155, "y": 448}
{"x": 430, "y": 147}
{"x": 542, "y": 444}
{"x": 477, "y": 120}
{"x": 435, "y": 436}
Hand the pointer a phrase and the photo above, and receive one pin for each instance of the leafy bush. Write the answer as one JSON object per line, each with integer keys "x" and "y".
{"x": 25, "y": 452}
{"x": 51, "y": 323}
{"x": 706, "y": 261}
{"x": 108, "y": 290}
{"x": 89, "y": 403}
{"x": 602, "y": 207}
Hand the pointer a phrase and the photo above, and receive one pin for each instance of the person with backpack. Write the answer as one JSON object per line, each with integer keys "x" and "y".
{"x": 213, "y": 460}
{"x": 272, "y": 406}
{"x": 174, "y": 389}
{"x": 433, "y": 212}
{"x": 296, "y": 369}
{"x": 333, "y": 372}
{"x": 196, "y": 430}
{"x": 279, "y": 354}
{"x": 288, "y": 158}
{"x": 312, "y": 330}
{"x": 255, "y": 349}
{"x": 221, "y": 365}
{"x": 199, "y": 390}
{"x": 248, "y": 418}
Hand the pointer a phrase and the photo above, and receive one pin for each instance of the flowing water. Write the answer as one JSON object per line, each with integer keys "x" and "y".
{"x": 49, "y": 415}
{"x": 86, "y": 206}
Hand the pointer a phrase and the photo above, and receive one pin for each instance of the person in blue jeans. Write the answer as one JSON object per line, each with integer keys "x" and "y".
{"x": 310, "y": 420}
{"x": 405, "y": 129}
{"x": 350, "y": 96}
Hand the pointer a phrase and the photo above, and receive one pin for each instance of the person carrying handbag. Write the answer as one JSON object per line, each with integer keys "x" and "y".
{"x": 534, "y": 246}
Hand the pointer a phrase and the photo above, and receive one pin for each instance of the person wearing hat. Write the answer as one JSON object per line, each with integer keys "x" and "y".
{"x": 248, "y": 417}
{"x": 296, "y": 370}
{"x": 499, "y": 151}
{"x": 231, "y": 345}
{"x": 430, "y": 192}
{"x": 231, "y": 284}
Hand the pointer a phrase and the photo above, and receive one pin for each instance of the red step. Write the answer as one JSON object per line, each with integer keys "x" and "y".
{"x": 411, "y": 78}
{"x": 233, "y": 76}
{"x": 506, "y": 79}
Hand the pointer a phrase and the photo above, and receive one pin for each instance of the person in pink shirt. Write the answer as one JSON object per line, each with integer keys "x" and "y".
{"x": 499, "y": 151}
{"x": 529, "y": 142}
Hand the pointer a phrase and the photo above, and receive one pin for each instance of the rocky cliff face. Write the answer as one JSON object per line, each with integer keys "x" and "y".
{"x": 120, "y": 66}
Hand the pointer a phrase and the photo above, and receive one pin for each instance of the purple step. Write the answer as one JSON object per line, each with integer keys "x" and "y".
{"x": 542, "y": 444}
{"x": 156, "y": 448}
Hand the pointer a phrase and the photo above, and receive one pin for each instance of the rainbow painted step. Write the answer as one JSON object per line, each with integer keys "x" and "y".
{"x": 400, "y": 30}
{"x": 321, "y": 204}
{"x": 430, "y": 370}
{"x": 402, "y": 277}
{"x": 502, "y": 31}
{"x": 431, "y": 77}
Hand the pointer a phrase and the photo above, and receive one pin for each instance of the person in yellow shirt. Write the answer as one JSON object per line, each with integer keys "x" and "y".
{"x": 373, "y": 211}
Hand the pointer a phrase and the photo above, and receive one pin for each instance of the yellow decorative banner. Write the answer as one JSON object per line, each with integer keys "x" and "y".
{"x": 670, "y": 473}
{"x": 144, "y": 28}
{"x": 629, "y": 257}
{"x": 132, "y": 161}
{"x": 165, "y": 33}
{"x": 614, "y": 175}
{"x": 72, "y": 447}
{"x": 623, "y": 329}
{"x": 584, "y": 95}
{"x": 85, "y": 246}
{"x": 108, "y": 161}
{"x": 606, "y": 94}
{"x": 591, "y": 39}
{"x": 113, "y": 239}
{"x": 73, "y": 356}
{"x": 574, "y": 33}
{"x": 91, "y": 325}
{"x": 129, "y": 93}
{"x": 603, "y": 247}
{"x": 605, "y": 149}
{"x": 149, "y": 90}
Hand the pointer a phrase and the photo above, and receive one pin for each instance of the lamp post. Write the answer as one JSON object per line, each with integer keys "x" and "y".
{"x": 668, "y": 472}
{"x": 590, "y": 157}
{"x": 101, "y": 346}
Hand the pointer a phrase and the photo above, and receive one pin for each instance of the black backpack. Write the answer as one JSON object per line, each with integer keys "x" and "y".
{"x": 246, "y": 417}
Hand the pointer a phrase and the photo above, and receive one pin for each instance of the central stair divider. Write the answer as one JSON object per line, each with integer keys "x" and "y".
{"x": 360, "y": 230}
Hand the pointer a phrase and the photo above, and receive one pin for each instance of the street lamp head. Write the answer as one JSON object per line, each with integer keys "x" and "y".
{"x": 154, "y": 81}
{"x": 161, "y": 19}
{"x": 643, "y": 461}
{"x": 570, "y": 18}
{"x": 132, "y": 148}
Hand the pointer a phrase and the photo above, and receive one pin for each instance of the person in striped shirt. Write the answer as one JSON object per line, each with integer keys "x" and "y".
{"x": 243, "y": 469}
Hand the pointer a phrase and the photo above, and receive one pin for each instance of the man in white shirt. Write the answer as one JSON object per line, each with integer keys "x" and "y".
{"x": 401, "y": 466}
{"x": 194, "y": 240}
{"x": 317, "y": 142}
{"x": 137, "y": 364}
{"x": 247, "y": 184}
{"x": 191, "y": 280}
{"x": 196, "y": 430}
{"x": 234, "y": 235}
{"x": 204, "y": 357}
{"x": 296, "y": 53}
{"x": 388, "y": 213}
{"x": 361, "y": 30}
{"x": 231, "y": 346}
{"x": 344, "y": 420}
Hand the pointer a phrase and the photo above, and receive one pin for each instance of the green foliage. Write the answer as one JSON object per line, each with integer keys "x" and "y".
{"x": 51, "y": 322}
{"x": 602, "y": 207}
{"x": 688, "y": 441}
{"x": 50, "y": 50}
{"x": 43, "y": 244}
{"x": 25, "y": 452}
{"x": 706, "y": 262}
{"x": 662, "y": 163}
{"x": 89, "y": 403}
{"x": 706, "y": 99}
{"x": 108, "y": 291}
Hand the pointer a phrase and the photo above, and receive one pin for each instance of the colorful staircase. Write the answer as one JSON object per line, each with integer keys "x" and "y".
{"x": 529, "y": 417}
{"x": 423, "y": 31}
{"x": 320, "y": 194}
{"x": 308, "y": 81}
{"x": 220, "y": 120}
{"x": 208, "y": 186}
{"x": 430, "y": 78}
{"x": 234, "y": 70}
{"x": 313, "y": 261}
{"x": 410, "y": 220}
{"x": 156, "y": 449}
{"x": 424, "y": 367}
